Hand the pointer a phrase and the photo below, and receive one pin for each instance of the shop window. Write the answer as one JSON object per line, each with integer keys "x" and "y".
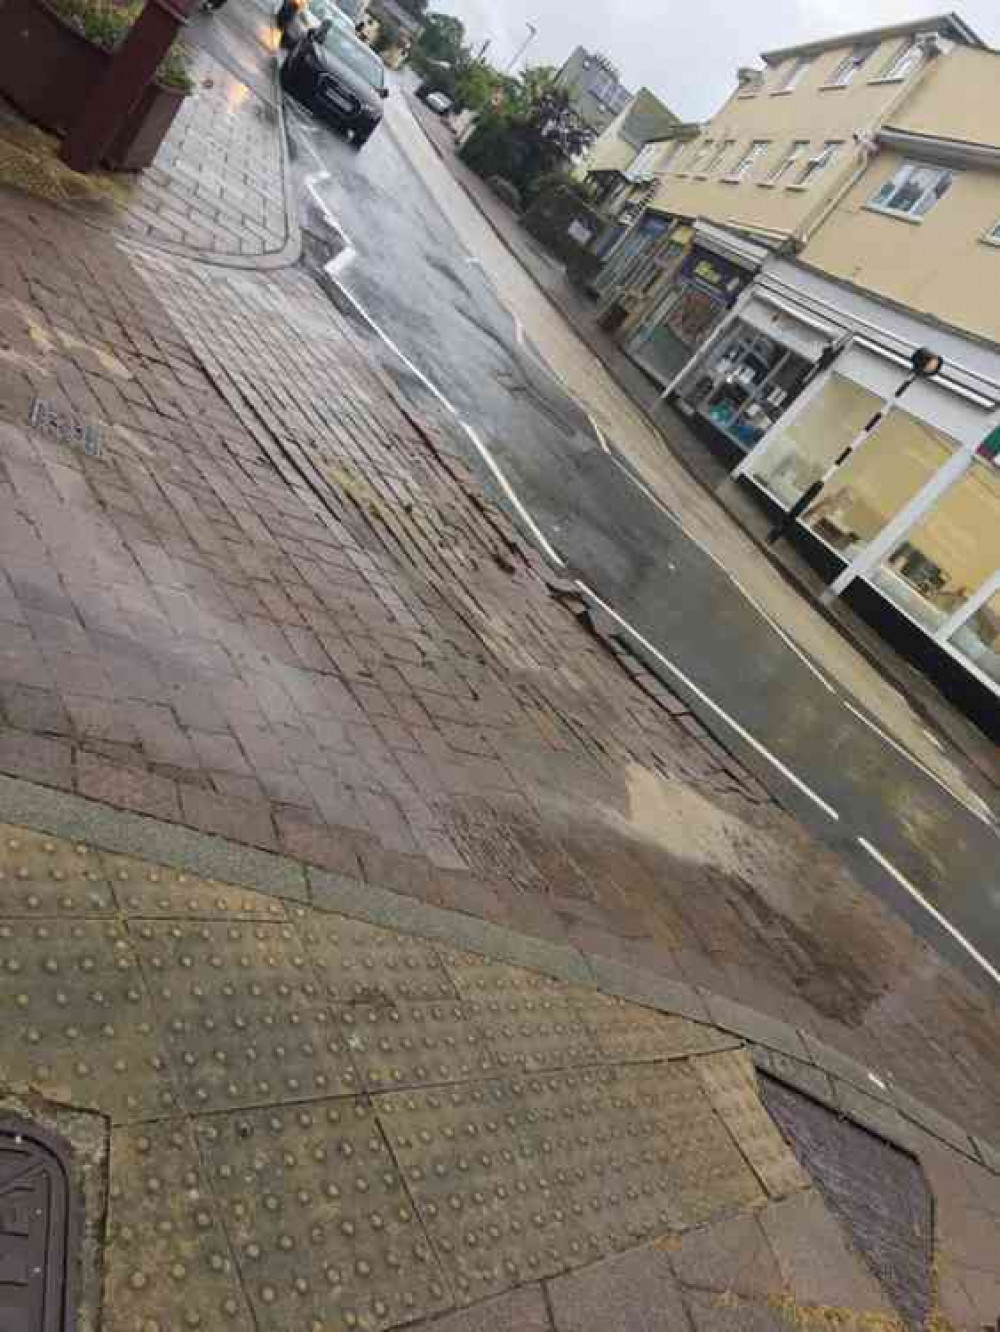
{"x": 913, "y": 191}
{"x": 788, "y": 163}
{"x": 818, "y": 164}
{"x": 796, "y": 72}
{"x": 845, "y": 72}
{"x": 745, "y": 385}
{"x": 904, "y": 62}
{"x": 954, "y": 549}
{"x": 881, "y": 478}
{"x": 807, "y": 445}
{"x": 978, "y": 638}
{"x": 753, "y": 154}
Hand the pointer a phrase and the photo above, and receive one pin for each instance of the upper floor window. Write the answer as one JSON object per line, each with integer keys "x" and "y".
{"x": 904, "y": 62}
{"x": 794, "y": 74}
{"x": 756, "y": 150}
{"x": 993, "y": 235}
{"x": 818, "y": 164}
{"x": 723, "y": 151}
{"x": 644, "y": 163}
{"x": 794, "y": 155}
{"x": 913, "y": 191}
{"x": 699, "y": 157}
{"x": 844, "y": 74}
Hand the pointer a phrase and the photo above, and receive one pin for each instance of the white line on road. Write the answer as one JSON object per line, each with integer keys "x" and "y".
{"x": 599, "y": 433}
{"x": 509, "y": 491}
{"x": 971, "y": 802}
{"x": 686, "y": 680}
{"x": 918, "y": 896}
{"x": 785, "y": 638}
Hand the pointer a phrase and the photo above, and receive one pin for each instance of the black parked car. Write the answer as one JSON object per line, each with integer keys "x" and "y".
{"x": 339, "y": 78}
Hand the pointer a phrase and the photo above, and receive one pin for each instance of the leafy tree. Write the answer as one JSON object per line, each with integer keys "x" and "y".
{"x": 475, "y": 85}
{"x": 443, "y": 38}
{"x": 535, "y": 134}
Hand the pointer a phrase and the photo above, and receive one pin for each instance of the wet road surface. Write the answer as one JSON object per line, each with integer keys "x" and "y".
{"x": 466, "y": 361}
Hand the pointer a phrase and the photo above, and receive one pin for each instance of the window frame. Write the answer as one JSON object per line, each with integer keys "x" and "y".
{"x": 745, "y": 164}
{"x": 852, "y": 64}
{"x": 909, "y": 215}
{"x": 992, "y": 235}
{"x": 700, "y": 151}
{"x": 787, "y": 163}
{"x": 814, "y": 167}
{"x": 801, "y": 66}
{"x": 725, "y": 146}
{"x": 890, "y": 73}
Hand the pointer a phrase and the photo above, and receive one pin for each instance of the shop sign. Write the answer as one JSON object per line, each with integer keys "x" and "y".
{"x": 714, "y": 275}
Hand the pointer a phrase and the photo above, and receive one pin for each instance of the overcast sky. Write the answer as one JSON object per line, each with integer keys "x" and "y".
{"x": 687, "y": 53}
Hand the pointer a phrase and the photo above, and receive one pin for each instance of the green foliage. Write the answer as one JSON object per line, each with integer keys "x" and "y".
{"x": 535, "y": 134}
{"x": 475, "y": 84}
{"x": 106, "y": 25}
{"x": 443, "y": 38}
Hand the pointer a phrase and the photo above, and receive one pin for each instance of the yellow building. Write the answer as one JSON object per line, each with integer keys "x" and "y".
{"x": 841, "y": 212}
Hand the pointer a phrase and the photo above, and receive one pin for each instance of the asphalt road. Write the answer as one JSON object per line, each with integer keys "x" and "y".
{"x": 441, "y": 330}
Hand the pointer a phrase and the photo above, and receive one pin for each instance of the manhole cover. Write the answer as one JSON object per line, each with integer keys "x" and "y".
{"x": 877, "y": 1191}
{"x": 36, "y": 1232}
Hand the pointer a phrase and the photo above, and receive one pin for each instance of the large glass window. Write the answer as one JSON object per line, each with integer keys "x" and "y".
{"x": 876, "y": 482}
{"x": 978, "y": 638}
{"x": 814, "y": 438}
{"x": 913, "y": 191}
{"x": 904, "y": 62}
{"x": 742, "y": 168}
{"x": 721, "y": 153}
{"x": 745, "y": 384}
{"x": 951, "y": 552}
{"x": 794, "y": 73}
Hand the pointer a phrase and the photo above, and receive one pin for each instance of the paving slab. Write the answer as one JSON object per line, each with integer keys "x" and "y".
{"x": 634, "y": 1292}
{"x": 732, "y": 1256}
{"x": 522, "y": 1310}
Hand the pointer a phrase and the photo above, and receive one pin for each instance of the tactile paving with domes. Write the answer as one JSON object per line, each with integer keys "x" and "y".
{"x": 324, "y": 1232}
{"x": 496, "y": 1220}
{"x": 77, "y": 1024}
{"x": 48, "y": 876}
{"x": 626, "y": 1033}
{"x": 413, "y": 1044}
{"x": 241, "y": 1010}
{"x": 155, "y": 891}
{"x": 168, "y": 1262}
{"x": 359, "y": 963}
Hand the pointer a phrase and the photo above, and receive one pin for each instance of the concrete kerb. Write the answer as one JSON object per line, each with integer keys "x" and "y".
{"x": 793, "y": 1056}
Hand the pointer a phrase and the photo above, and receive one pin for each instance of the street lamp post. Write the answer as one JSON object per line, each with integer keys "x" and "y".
{"x": 128, "y": 74}
{"x": 924, "y": 364}
{"x": 532, "y": 34}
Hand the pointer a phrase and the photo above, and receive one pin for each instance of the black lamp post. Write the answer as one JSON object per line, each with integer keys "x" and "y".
{"x": 924, "y": 364}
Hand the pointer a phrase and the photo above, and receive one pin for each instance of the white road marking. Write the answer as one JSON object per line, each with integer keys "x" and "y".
{"x": 599, "y": 433}
{"x": 710, "y": 703}
{"x": 932, "y": 910}
{"x": 785, "y": 638}
{"x": 509, "y": 491}
{"x": 971, "y": 802}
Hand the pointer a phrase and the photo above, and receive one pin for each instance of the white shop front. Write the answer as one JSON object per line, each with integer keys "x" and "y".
{"x": 797, "y": 373}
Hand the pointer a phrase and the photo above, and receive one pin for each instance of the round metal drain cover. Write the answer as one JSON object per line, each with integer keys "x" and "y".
{"x": 37, "y": 1231}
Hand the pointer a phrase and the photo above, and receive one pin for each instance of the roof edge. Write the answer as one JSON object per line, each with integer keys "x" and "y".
{"x": 951, "y": 23}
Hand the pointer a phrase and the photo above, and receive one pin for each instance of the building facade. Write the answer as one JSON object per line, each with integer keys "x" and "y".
{"x": 594, "y": 88}
{"x": 782, "y": 281}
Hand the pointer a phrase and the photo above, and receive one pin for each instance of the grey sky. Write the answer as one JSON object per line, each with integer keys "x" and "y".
{"x": 687, "y": 53}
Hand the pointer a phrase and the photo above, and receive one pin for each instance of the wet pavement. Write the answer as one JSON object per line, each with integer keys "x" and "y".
{"x": 217, "y": 188}
{"x": 898, "y": 823}
{"x": 320, "y": 1124}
